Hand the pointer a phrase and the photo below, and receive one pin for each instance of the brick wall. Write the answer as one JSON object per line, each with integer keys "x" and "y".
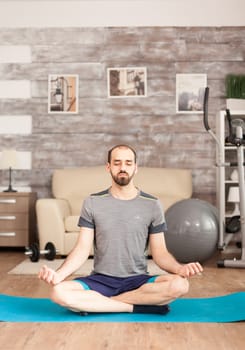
{"x": 151, "y": 125}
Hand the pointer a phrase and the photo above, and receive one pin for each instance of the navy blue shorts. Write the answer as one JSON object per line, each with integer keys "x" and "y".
{"x": 111, "y": 286}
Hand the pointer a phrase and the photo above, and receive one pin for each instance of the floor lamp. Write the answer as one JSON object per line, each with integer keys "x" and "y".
{"x": 9, "y": 161}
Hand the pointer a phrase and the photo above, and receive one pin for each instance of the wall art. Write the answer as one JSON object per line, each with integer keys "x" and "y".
{"x": 127, "y": 82}
{"x": 63, "y": 93}
{"x": 190, "y": 90}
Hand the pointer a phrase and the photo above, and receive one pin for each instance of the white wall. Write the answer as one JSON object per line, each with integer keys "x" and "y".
{"x": 41, "y": 13}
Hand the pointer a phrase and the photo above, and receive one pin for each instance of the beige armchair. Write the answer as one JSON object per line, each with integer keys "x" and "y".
{"x": 57, "y": 217}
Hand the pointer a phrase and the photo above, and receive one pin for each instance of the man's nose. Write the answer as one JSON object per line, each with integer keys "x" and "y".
{"x": 123, "y": 167}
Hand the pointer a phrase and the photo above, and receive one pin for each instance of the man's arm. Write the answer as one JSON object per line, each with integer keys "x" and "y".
{"x": 74, "y": 260}
{"x": 167, "y": 262}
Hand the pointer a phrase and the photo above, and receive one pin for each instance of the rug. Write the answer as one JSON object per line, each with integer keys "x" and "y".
{"x": 27, "y": 267}
{"x": 227, "y": 308}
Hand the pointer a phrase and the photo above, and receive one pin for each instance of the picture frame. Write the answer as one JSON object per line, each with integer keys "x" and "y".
{"x": 63, "y": 93}
{"x": 190, "y": 89}
{"x": 127, "y": 82}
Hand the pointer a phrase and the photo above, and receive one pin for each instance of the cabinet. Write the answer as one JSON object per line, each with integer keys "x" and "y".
{"x": 17, "y": 219}
{"x": 225, "y": 155}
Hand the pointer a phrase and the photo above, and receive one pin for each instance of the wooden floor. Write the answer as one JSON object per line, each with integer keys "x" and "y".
{"x": 122, "y": 336}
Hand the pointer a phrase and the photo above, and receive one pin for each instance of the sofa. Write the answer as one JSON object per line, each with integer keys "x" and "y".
{"x": 57, "y": 217}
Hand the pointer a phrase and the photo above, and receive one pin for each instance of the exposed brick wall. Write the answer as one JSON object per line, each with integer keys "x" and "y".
{"x": 161, "y": 137}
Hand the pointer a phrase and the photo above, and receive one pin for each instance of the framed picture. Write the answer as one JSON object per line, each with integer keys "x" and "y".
{"x": 127, "y": 82}
{"x": 190, "y": 90}
{"x": 62, "y": 93}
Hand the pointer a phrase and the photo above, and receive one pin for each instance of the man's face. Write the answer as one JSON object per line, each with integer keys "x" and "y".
{"x": 122, "y": 166}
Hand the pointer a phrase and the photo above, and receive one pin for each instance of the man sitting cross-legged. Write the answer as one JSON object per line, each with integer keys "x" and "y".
{"x": 120, "y": 222}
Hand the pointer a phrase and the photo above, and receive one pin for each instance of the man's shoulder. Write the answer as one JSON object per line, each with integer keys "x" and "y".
{"x": 148, "y": 196}
{"x": 95, "y": 197}
{"x": 100, "y": 194}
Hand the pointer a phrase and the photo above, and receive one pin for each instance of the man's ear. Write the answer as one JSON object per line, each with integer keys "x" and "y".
{"x": 108, "y": 167}
{"x": 136, "y": 168}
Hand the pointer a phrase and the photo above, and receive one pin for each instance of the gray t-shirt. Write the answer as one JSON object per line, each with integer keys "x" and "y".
{"x": 122, "y": 229}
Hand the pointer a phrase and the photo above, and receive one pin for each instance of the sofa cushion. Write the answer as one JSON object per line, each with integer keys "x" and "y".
{"x": 167, "y": 201}
{"x": 79, "y": 182}
{"x": 165, "y": 182}
{"x": 75, "y": 204}
{"x": 71, "y": 223}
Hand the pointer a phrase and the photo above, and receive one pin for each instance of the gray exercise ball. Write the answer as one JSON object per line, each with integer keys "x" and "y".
{"x": 192, "y": 230}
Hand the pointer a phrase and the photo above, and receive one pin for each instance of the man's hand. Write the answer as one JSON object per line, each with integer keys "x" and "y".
{"x": 49, "y": 276}
{"x": 190, "y": 269}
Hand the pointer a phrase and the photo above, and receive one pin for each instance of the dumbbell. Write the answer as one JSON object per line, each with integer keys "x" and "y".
{"x": 34, "y": 252}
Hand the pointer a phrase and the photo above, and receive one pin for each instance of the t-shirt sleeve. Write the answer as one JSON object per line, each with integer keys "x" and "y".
{"x": 158, "y": 223}
{"x": 86, "y": 217}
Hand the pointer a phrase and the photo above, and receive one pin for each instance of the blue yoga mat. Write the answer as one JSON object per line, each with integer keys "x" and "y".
{"x": 227, "y": 308}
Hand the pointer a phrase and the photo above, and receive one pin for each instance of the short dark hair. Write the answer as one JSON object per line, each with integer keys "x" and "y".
{"x": 121, "y": 146}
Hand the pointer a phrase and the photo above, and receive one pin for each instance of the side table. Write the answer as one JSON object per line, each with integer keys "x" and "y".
{"x": 17, "y": 219}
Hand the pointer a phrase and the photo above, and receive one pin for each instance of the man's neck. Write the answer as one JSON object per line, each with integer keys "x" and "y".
{"x": 124, "y": 192}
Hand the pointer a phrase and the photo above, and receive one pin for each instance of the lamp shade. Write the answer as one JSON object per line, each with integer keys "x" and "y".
{"x": 8, "y": 159}
{"x": 233, "y": 196}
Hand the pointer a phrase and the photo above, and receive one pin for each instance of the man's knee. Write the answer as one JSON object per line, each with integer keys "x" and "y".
{"x": 58, "y": 295}
{"x": 179, "y": 286}
{"x": 63, "y": 293}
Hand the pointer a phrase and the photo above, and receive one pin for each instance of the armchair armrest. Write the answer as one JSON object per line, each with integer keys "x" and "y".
{"x": 51, "y": 213}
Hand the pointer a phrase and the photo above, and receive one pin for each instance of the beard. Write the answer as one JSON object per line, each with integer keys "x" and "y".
{"x": 122, "y": 180}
